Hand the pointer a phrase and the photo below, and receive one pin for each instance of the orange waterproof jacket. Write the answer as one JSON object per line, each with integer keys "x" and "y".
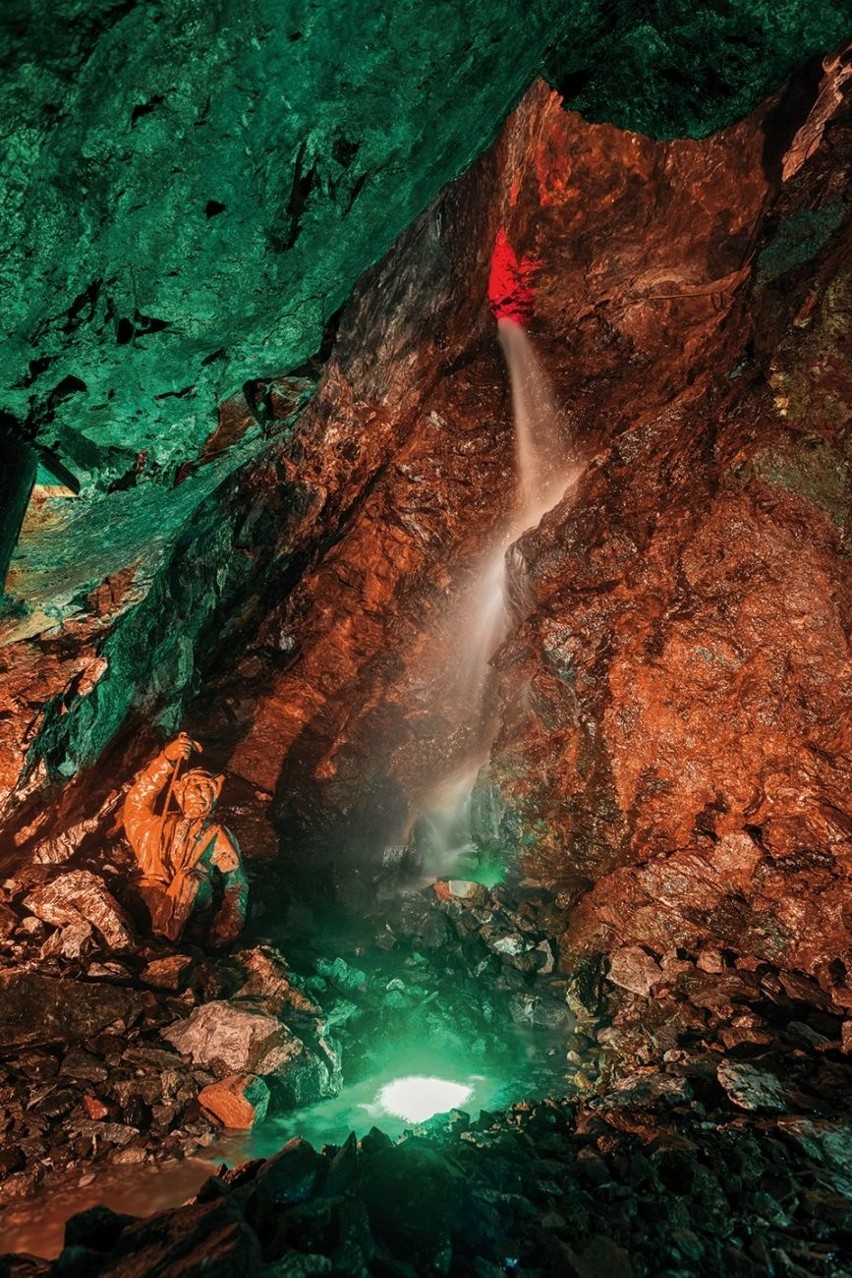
{"x": 180, "y": 854}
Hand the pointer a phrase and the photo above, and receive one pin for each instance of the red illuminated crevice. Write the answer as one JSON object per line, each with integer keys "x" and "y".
{"x": 510, "y": 292}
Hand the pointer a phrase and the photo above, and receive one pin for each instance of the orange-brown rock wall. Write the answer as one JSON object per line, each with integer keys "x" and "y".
{"x": 685, "y": 671}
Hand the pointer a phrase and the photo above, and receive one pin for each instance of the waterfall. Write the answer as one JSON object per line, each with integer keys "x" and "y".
{"x": 544, "y": 471}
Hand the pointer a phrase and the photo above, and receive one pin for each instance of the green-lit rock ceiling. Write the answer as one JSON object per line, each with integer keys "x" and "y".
{"x": 192, "y": 188}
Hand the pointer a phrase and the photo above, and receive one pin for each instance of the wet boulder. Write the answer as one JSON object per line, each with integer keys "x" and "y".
{"x": 98, "y": 1228}
{"x": 342, "y": 975}
{"x": 462, "y": 891}
{"x": 77, "y": 895}
{"x": 241, "y": 1040}
{"x": 292, "y": 1176}
{"x": 238, "y": 1102}
{"x": 415, "y": 1197}
{"x": 73, "y": 941}
{"x": 8, "y": 922}
{"x": 210, "y": 1238}
{"x": 634, "y": 970}
{"x": 751, "y": 1088}
{"x": 530, "y": 1008}
{"x": 268, "y": 982}
{"x": 167, "y": 973}
{"x": 234, "y": 1040}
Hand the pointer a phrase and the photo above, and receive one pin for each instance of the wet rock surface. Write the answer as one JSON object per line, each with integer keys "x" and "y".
{"x": 687, "y": 1157}
{"x": 77, "y": 895}
{"x": 124, "y": 1059}
{"x": 239, "y": 1101}
{"x": 699, "y": 1124}
{"x": 141, "y": 1060}
{"x": 37, "y": 1009}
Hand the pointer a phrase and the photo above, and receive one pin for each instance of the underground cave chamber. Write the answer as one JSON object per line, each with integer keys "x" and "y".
{"x": 511, "y": 607}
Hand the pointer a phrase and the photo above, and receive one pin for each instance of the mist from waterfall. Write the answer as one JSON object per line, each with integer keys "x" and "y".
{"x": 544, "y": 471}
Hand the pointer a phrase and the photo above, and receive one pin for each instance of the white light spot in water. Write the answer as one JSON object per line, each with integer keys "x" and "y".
{"x": 417, "y": 1098}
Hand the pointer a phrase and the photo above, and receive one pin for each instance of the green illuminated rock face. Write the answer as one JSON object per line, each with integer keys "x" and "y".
{"x": 192, "y": 188}
{"x": 682, "y": 68}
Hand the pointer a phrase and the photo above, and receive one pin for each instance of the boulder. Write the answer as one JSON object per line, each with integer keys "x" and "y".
{"x": 292, "y": 1176}
{"x": 634, "y": 970}
{"x": 70, "y": 942}
{"x": 235, "y": 1040}
{"x": 415, "y": 1197}
{"x": 529, "y": 1008}
{"x": 98, "y": 1228}
{"x": 79, "y": 893}
{"x": 96, "y": 1109}
{"x": 245, "y": 1042}
{"x": 166, "y": 973}
{"x": 461, "y": 890}
{"x": 646, "y": 1087}
{"x": 510, "y": 944}
{"x": 42, "y": 1009}
{"x": 8, "y": 922}
{"x": 342, "y": 975}
{"x": 238, "y": 1102}
{"x": 209, "y": 1238}
{"x": 751, "y": 1088}
{"x": 267, "y": 979}
{"x": 83, "y": 1066}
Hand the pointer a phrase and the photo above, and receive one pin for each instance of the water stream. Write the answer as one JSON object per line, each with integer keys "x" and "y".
{"x": 36, "y": 1225}
{"x": 545, "y": 470}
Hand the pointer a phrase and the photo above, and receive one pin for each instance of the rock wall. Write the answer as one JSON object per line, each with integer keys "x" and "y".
{"x": 194, "y": 189}
{"x": 679, "y": 694}
{"x": 671, "y": 703}
{"x": 674, "y": 707}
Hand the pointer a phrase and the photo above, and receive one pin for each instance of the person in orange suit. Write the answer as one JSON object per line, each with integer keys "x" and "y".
{"x": 190, "y": 865}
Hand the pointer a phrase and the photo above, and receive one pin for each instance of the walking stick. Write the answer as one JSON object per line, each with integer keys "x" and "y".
{"x": 166, "y": 806}
{"x": 194, "y": 745}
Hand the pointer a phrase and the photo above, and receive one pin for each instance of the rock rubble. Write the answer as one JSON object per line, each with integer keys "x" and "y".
{"x": 125, "y": 1061}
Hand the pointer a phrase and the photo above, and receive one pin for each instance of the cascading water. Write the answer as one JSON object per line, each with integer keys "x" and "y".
{"x": 545, "y": 470}
{"x": 544, "y": 467}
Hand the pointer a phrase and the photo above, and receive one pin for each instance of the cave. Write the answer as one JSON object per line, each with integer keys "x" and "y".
{"x": 425, "y": 689}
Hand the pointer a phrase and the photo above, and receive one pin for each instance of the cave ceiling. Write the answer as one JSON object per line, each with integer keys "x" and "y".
{"x": 192, "y": 189}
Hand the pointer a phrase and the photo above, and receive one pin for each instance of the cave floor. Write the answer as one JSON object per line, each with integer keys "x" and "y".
{"x": 694, "y": 1119}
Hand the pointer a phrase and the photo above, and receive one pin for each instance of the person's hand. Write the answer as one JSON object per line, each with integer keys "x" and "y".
{"x": 181, "y": 748}
{"x": 224, "y": 932}
{"x": 227, "y": 924}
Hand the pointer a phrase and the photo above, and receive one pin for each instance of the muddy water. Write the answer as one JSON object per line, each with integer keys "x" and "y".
{"x": 36, "y": 1226}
